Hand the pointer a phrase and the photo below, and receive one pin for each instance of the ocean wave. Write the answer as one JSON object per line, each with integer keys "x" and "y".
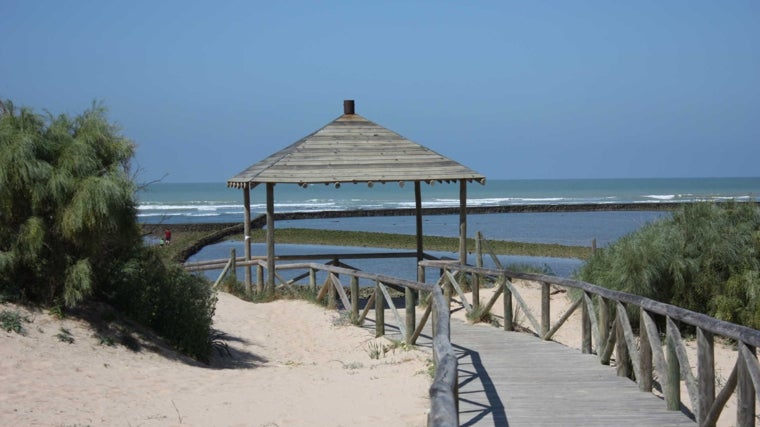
{"x": 660, "y": 196}
{"x": 162, "y": 207}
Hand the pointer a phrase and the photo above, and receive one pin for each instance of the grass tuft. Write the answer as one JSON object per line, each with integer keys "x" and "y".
{"x": 375, "y": 350}
{"x": 479, "y": 314}
{"x": 11, "y": 321}
{"x": 64, "y": 335}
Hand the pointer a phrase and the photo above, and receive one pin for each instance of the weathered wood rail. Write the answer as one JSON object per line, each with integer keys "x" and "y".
{"x": 443, "y": 391}
{"x": 655, "y": 358}
{"x": 606, "y": 328}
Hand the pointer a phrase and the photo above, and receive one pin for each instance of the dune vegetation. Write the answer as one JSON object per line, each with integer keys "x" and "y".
{"x": 705, "y": 257}
{"x": 69, "y": 231}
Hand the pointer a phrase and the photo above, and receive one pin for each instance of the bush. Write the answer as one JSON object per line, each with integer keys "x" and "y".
{"x": 705, "y": 258}
{"x": 177, "y": 305}
{"x": 69, "y": 230}
{"x": 67, "y": 207}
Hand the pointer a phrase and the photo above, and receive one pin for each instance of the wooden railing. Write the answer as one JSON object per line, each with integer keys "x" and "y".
{"x": 606, "y": 328}
{"x": 443, "y": 391}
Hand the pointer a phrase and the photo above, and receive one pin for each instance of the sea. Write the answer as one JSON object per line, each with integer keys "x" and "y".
{"x": 174, "y": 203}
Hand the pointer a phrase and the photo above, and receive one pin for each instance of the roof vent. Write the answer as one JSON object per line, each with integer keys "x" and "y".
{"x": 348, "y": 106}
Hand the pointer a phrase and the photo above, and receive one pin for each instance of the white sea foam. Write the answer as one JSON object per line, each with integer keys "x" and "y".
{"x": 661, "y": 196}
{"x": 148, "y": 207}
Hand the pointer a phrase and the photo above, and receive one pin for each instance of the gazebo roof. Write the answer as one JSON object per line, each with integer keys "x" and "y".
{"x": 352, "y": 149}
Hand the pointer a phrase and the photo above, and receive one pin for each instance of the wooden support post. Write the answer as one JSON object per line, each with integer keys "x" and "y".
{"x": 645, "y": 355}
{"x": 247, "y": 235}
{"x": 421, "y": 325}
{"x": 354, "y": 300}
{"x": 233, "y": 266}
{"x": 270, "y": 237}
{"x": 705, "y": 372}
{"x": 673, "y": 389}
{"x": 585, "y": 329}
{"x": 476, "y": 277}
{"x": 745, "y": 391}
{"x": 623, "y": 366}
{"x": 418, "y": 219}
{"x": 259, "y": 279}
{"x": 434, "y": 324}
{"x": 609, "y": 345}
{"x": 332, "y": 293}
{"x": 545, "y": 308}
{"x": 604, "y": 322}
{"x": 379, "y": 312}
{"x": 448, "y": 289}
{"x": 313, "y": 280}
{"x": 410, "y": 314}
{"x": 421, "y": 279}
{"x": 507, "y": 303}
{"x": 463, "y": 221}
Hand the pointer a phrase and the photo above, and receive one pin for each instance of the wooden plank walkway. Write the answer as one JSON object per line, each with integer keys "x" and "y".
{"x": 516, "y": 379}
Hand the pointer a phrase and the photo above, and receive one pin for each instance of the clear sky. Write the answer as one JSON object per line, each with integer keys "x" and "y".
{"x": 512, "y": 89}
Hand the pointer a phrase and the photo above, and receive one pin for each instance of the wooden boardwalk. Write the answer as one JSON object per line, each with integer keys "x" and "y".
{"x": 516, "y": 379}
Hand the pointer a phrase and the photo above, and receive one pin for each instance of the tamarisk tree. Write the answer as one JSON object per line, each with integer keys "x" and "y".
{"x": 67, "y": 208}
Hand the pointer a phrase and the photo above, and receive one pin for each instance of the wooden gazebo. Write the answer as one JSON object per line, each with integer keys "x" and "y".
{"x": 351, "y": 149}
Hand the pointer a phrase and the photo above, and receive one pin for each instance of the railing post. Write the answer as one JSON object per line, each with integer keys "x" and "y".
{"x": 354, "y": 299}
{"x": 421, "y": 279}
{"x": 673, "y": 389}
{"x": 645, "y": 355}
{"x": 313, "y": 280}
{"x": 433, "y": 318}
{"x": 411, "y": 320}
{"x": 604, "y": 322}
{"x": 448, "y": 289}
{"x": 379, "y": 312}
{"x": 622, "y": 362}
{"x": 745, "y": 392}
{"x": 705, "y": 373}
{"x": 507, "y": 302}
{"x": 585, "y": 328}
{"x": 545, "y": 307}
{"x": 259, "y": 279}
{"x": 476, "y": 276}
{"x": 233, "y": 269}
{"x": 332, "y": 294}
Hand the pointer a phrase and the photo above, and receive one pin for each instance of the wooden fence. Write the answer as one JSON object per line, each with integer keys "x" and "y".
{"x": 443, "y": 391}
{"x": 655, "y": 357}
{"x": 606, "y": 328}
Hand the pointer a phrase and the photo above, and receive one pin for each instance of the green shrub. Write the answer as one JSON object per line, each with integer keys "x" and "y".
{"x": 69, "y": 230}
{"x": 176, "y": 304}
{"x": 67, "y": 206}
{"x": 705, "y": 258}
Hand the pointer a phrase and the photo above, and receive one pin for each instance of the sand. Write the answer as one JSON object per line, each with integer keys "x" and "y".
{"x": 293, "y": 364}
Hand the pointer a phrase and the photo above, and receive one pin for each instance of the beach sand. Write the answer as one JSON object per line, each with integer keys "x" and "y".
{"x": 293, "y": 363}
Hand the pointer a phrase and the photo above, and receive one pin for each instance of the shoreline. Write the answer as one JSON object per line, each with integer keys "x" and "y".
{"x": 259, "y": 221}
{"x": 196, "y": 235}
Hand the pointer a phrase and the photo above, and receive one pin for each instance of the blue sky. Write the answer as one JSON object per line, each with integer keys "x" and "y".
{"x": 512, "y": 89}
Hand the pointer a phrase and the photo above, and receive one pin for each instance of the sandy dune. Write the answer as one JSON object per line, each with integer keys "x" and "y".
{"x": 293, "y": 364}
